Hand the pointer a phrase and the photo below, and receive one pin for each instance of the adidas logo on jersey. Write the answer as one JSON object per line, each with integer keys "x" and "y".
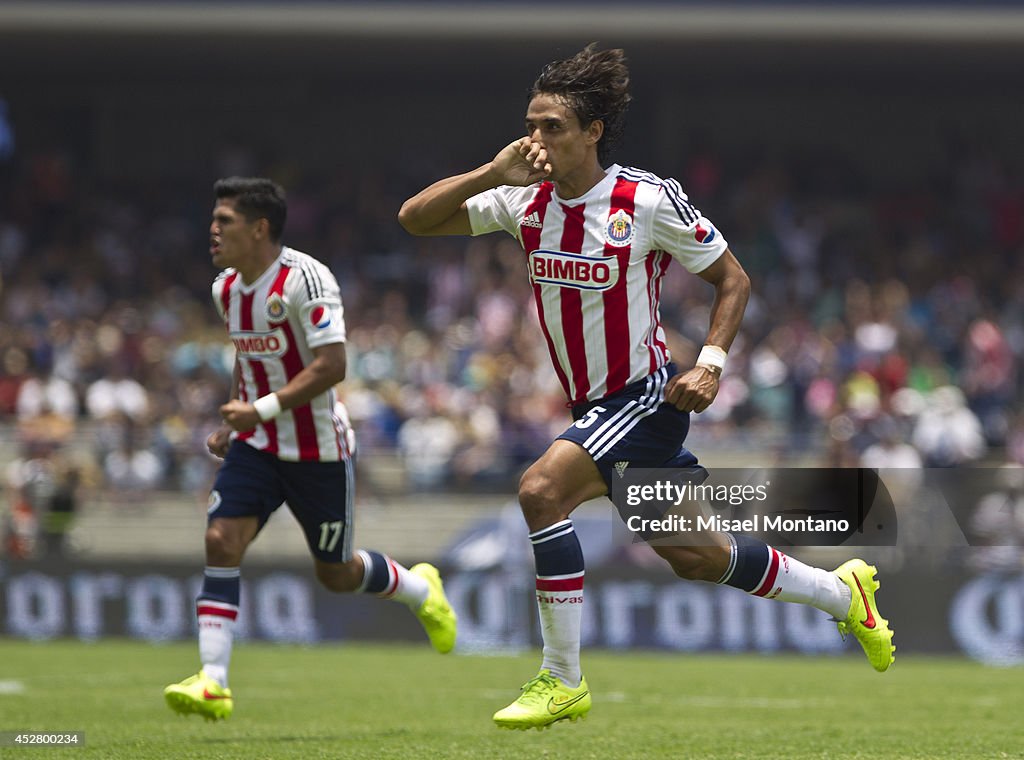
{"x": 533, "y": 220}
{"x": 620, "y": 467}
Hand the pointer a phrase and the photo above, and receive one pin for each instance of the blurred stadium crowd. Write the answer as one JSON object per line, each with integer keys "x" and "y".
{"x": 885, "y": 327}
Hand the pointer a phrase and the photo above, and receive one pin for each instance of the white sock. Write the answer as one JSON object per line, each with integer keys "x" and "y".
{"x": 216, "y": 633}
{"x": 796, "y": 582}
{"x": 560, "y": 604}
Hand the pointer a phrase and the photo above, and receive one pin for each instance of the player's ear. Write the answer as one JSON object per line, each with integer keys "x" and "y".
{"x": 594, "y": 130}
{"x": 261, "y": 228}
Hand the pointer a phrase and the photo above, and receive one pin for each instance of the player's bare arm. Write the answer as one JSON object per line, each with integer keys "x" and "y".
{"x": 695, "y": 389}
{"x": 326, "y": 370}
{"x": 440, "y": 209}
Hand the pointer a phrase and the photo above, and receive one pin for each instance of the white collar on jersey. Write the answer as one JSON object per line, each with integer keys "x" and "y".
{"x": 270, "y": 271}
{"x": 609, "y": 177}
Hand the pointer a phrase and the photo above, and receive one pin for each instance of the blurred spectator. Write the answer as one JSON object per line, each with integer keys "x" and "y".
{"x": 59, "y": 517}
{"x": 117, "y": 395}
{"x": 989, "y": 377}
{"x": 427, "y": 442}
{"x": 997, "y": 524}
{"x": 20, "y": 530}
{"x": 46, "y": 394}
{"x": 947, "y": 432}
{"x": 32, "y": 482}
{"x": 890, "y": 450}
{"x": 14, "y": 363}
{"x": 132, "y": 465}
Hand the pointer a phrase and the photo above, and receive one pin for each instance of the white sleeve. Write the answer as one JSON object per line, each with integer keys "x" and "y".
{"x": 489, "y": 211}
{"x": 316, "y": 295}
{"x": 680, "y": 229}
{"x": 217, "y": 290}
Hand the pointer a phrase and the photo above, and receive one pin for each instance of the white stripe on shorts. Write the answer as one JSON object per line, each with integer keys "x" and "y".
{"x": 349, "y": 527}
{"x": 647, "y": 405}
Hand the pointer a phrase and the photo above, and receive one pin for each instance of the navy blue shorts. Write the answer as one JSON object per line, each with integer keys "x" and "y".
{"x": 633, "y": 428}
{"x": 253, "y": 483}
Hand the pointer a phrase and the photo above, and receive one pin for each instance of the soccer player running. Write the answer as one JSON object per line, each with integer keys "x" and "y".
{"x": 597, "y": 243}
{"x": 282, "y": 437}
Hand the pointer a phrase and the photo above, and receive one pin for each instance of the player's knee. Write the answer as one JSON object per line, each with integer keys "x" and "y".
{"x": 538, "y": 501}
{"x": 224, "y": 547}
{"x": 340, "y": 577}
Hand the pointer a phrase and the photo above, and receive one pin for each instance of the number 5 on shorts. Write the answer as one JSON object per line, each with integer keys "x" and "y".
{"x": 590, "y": 418}
{"x": 330, "y": 532}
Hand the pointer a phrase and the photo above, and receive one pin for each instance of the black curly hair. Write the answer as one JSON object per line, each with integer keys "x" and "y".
{"x": 595, "y": 85}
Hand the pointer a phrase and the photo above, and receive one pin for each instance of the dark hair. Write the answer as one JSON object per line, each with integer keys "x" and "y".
{"x": 256, "y": 198}
{"x": 595, "y": 85}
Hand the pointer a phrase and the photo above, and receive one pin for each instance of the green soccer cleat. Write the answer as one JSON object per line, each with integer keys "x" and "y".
{"x": 435, "y": 614}
{"x": 545, "y": 700}
{"x": 202, "y": 695}
{"x": 863, "y": 621}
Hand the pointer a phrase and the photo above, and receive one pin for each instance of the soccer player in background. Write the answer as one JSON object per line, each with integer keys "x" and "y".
{"x": 282, "y": 438}
{"x": 597, "y": 242}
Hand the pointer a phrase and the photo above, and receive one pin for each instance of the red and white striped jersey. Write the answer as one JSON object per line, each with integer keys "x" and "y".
{"x": 596, "y": 263}
{"x": 274, "y": 324}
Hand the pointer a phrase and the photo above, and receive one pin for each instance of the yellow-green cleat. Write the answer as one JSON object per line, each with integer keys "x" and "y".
{"x": 545, "y": 700}
{"x": 435, "y": 614}
{"x": 863, "y": 621}
{"x": 201, "y": 695}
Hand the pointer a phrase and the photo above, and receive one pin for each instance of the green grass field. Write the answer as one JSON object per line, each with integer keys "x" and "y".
{"x": 407, "y": 702}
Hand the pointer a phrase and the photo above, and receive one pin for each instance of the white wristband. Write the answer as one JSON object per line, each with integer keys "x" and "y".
{"x": 267, "y": 407}
{"x": 712, "y": 356}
